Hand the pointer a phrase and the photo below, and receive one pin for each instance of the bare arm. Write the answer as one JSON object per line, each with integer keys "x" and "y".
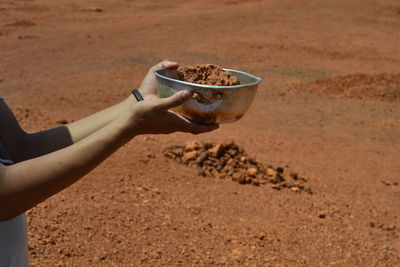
{"x": 23, "y": 146}
{"x": 84, "y": 127}
{"x": 42, "y": 143}
{"x": 25, "y": 184}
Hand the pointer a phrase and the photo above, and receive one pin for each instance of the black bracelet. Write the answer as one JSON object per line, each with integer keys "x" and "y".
{"x": 137, "y": 95}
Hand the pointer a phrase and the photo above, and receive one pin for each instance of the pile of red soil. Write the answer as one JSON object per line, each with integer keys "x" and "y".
{"x": 379, "y": 87}
{"x": 227, "y": 160}
{"x": 208, "y": 74}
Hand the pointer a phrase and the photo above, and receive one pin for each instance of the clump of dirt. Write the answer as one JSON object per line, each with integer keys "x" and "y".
{"x": 208, "y": 74}
{"x": 379, "y": 87}
{"x": 229, "y": 161}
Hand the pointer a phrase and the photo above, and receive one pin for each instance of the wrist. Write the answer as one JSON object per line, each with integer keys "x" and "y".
{"x": 138, "y": 95}
{"x": 127, "y": 123}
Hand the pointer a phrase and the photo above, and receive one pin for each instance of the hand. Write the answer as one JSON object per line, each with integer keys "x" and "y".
{"x": 151, "y": 116}
{"x": 149, "y": 83}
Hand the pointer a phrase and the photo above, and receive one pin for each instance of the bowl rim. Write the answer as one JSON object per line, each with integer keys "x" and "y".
{"x": 258, "y": 80}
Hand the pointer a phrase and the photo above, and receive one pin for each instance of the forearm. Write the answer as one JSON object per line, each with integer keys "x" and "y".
{"x": 44, "y": 142}
{"x": 81, "y": 128}
{"x": 30, "y": 182}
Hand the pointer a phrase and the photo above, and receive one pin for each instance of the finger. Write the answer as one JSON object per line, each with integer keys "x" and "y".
{"x": 171, "y": 65}
{"x": 165, "y": 64}
{"x": 174, "y": 100}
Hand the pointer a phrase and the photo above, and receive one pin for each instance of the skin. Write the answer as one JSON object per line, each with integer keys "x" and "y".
{"x": 51, "y": 160}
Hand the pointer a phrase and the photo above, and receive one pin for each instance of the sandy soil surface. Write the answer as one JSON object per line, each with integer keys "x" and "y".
{"x": 328, "y": 109}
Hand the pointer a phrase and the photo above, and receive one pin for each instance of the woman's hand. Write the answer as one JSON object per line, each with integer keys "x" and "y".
{"x": 149, "y": 83}
{"x": 151, "y": 116}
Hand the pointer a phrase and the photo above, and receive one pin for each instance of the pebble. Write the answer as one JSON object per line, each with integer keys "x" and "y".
{"x": 194, "y": 145}
{"x": 190, "y": 155}
{"x": 290, "y": 185}
{"x": 271, "y": 172}
{"x": 248, "y": 180}
{"x": 203, "y": 156}
{"x": 252, "y": 171}
{"x": 216, "y": 151}
{"x": 295, "y": 189}
{"x": 227, "y": 160}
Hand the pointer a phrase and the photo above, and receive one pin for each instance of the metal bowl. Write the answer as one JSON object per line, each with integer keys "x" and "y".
{"x": 210, "y": 104}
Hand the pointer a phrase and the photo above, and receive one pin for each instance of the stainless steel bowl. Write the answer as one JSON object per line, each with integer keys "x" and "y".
{"x": 210, "y": 104}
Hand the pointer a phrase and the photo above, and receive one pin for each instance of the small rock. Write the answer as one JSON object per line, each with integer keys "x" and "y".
{"x": 295, "y": 189}
{"x": 230, "y": 162}
{"x": 322, "y": 216}
{"x": 371, "y": 224}
{"x": 252, "y": 171}
{"x": 276, "y": 179}
{"x": 217, "y": 150}
{"x": 203, "y": 156}
{"x": 207, "y": 144}
{"x": 189, "y": 146}
{"x": 290, "y": 185}
{"x": 190, "y": 155}
{"x": 276, "y": 187}
{"x": 271, "y": 172}
{"x": 262, "y": 181}
{"x": 248, "y": 180}
{"x": 233, "y": 152}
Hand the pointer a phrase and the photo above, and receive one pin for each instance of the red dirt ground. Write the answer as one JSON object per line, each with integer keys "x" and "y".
{"x": 322, "y": 110}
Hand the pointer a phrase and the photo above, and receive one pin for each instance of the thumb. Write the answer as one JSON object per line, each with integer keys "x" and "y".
{"x": 175, "y": 100}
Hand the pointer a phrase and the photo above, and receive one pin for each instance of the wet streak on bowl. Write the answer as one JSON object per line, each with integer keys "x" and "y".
{"x": 213, "y": 104}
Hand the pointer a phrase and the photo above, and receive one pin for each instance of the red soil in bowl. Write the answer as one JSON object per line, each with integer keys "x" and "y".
{"x": 208, "y": 74}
